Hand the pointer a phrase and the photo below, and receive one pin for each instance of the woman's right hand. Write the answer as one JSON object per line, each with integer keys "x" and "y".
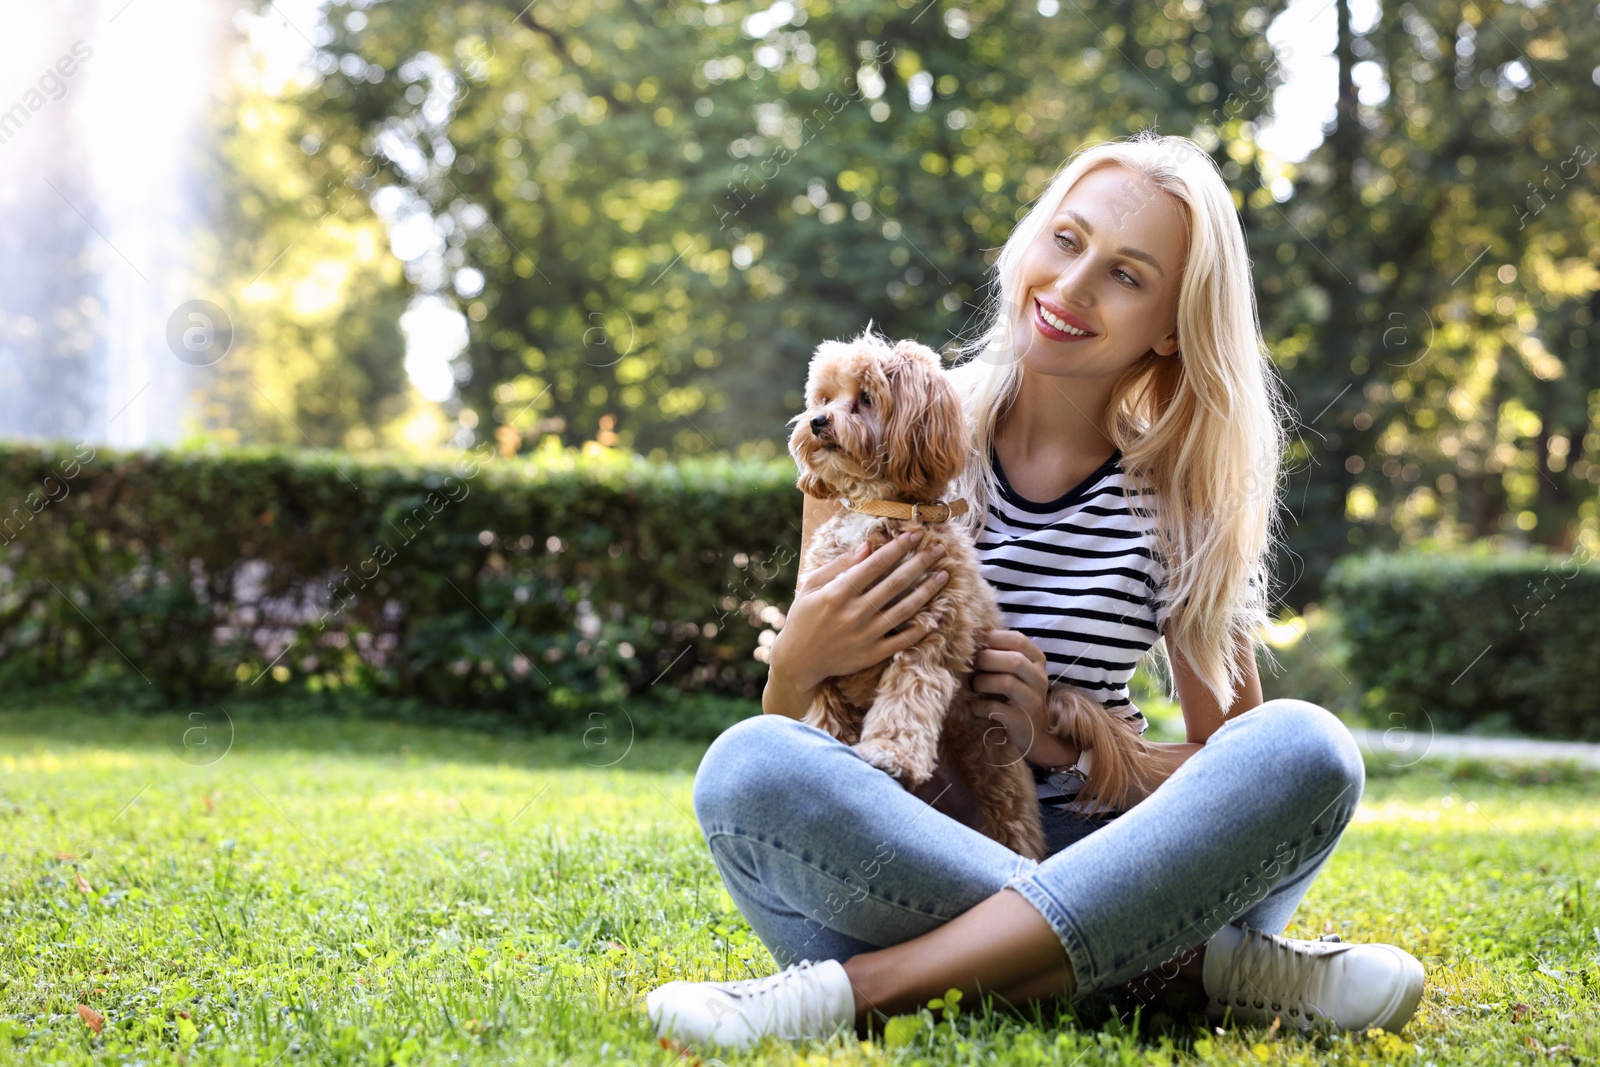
{"x": 846, "y": 612}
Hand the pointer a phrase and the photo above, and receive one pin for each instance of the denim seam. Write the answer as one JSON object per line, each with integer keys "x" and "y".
{"x": 1066, "y": 932}
{"x": 1304, "y": 847}
{"x": 823, "y": 871}
{"x": 1191, "y": 924}
{"x": 1083, "y": 963}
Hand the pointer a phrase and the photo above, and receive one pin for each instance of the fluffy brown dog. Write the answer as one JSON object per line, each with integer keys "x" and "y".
{"x": 884, "y": 429}
{"x": 882, "y": 425}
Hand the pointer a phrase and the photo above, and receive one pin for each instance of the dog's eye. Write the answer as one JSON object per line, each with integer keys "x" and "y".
{"x": 866, "y": 401}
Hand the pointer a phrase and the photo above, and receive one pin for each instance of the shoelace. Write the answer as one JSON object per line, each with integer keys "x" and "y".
{"x": 790, "y": 1017}
{"x": 1271, "y": 971}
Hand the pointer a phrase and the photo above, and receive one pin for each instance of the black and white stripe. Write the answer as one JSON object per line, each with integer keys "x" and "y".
{"x": 1081, "y": 577}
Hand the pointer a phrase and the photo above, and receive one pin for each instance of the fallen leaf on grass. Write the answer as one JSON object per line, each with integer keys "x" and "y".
{"x": 83, "y": 885}
{"x": 683, "y": 1052}
{"x": 91, "y": 1018}
{"x": 1553, "y": 1050}
{"x": 1521, "y": 1011}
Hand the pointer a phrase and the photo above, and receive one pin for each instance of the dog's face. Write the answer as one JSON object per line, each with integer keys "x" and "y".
{"x": 880, "y": 421}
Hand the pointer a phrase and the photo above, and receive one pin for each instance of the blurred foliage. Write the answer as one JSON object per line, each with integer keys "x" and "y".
{"x": 650, "y": 214}
{"x": 1447, "y": 642}
{"x": 1432, "y": 283}
{"x": 315, "y": 294}
{"x": 1306, "y": 658}
{"x": 544, "y": 586}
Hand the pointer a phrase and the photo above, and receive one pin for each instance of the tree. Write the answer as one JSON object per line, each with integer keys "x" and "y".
{"x": 1452, "y": 227}
{"x": 654, "y": 214}
{"x": 650, "y": 214}
{"x": 312, "y": 291}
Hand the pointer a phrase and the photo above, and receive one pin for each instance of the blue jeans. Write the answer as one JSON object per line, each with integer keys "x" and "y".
{"x": 827, "y": 856}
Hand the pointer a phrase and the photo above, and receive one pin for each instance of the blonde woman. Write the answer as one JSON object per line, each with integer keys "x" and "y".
{"x": 1126, "y": 434}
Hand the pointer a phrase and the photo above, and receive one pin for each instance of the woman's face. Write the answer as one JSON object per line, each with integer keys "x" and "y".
{"x": 1099, "y": 287}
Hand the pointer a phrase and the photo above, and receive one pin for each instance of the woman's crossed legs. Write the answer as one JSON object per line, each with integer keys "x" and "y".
{"x": 829, "y": 858}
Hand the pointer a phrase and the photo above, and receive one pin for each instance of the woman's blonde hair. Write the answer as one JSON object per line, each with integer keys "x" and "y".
{"x": 1204, "y": 430}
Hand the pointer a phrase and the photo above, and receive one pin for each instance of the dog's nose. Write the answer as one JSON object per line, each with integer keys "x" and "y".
{"x": 819, "y": 422}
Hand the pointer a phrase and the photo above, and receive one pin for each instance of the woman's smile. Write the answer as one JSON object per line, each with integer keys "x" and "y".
{"x": 1059, "y": 324}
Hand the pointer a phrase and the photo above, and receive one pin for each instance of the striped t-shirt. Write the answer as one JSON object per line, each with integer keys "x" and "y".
{"x": 1081, "y": 578}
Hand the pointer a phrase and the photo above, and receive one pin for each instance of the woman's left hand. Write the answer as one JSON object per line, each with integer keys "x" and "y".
{"x": 1011, "y": 685}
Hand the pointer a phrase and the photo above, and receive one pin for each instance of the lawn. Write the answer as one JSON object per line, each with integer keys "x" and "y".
{"x": 351, "y": 891}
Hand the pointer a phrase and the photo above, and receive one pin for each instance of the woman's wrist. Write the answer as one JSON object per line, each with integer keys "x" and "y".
{"x": 780, "y": 671}
{"x": 781, "y": 697}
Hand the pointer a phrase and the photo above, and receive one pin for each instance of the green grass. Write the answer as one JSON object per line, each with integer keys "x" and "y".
{"x": 360, "y": 892}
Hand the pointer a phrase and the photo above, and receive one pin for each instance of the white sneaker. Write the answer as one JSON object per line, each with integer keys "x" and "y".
{"x": 808, "y": 999}
{"x": 1255, "y": 976}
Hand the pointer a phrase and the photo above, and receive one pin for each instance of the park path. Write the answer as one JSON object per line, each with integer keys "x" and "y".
{"x": 1409, "y": 746}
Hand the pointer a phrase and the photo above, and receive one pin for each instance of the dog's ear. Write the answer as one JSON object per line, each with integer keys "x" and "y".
{"x": 925, "y": 436}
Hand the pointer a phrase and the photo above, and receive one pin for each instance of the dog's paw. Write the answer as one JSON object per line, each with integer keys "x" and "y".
{"x": 896, "y": 763}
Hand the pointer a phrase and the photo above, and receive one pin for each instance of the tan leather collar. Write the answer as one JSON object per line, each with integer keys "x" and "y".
{"x": 938, "y": 511}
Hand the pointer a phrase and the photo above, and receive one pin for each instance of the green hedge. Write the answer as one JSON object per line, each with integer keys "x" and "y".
{"x": 534, "y": 586}
{"x": 1493, "y": 641}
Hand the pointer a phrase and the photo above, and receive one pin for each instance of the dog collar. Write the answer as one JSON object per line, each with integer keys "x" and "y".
{"x": 938, "y": 511}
